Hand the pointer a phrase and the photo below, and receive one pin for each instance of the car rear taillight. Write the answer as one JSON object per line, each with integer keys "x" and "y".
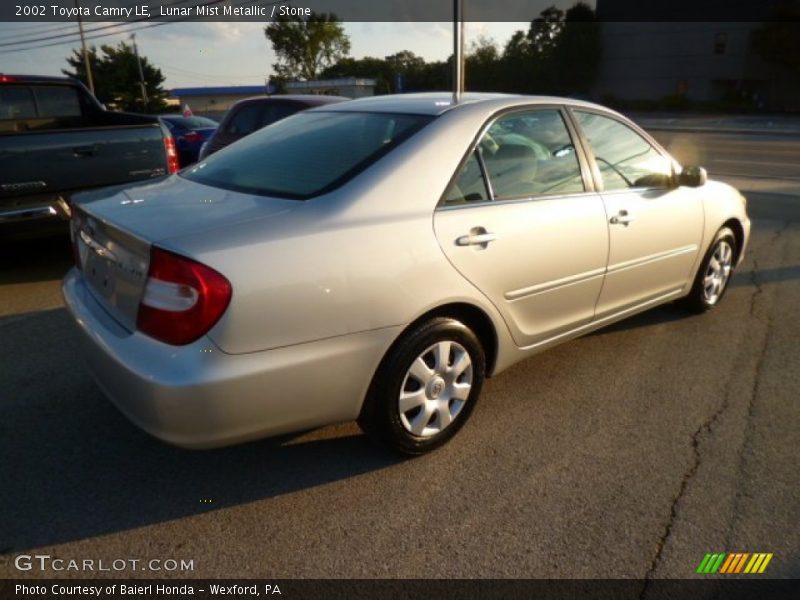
{"x": 182, "y": 298}
{"x": 7, "y": 79}
{"x": 193, "y": 137}
{"x": 172, "y": 154}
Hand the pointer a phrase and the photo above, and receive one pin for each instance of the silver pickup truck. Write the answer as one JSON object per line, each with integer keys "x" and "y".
{"x": 57, "y": 139}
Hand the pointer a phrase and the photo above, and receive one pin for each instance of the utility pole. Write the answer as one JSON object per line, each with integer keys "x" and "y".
{"x": 87, "y": 65}
{"x": 141, "y": 73}
{"x": 458, "y": 50}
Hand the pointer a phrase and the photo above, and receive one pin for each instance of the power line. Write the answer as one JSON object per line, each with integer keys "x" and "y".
{"x": 101, "y": 28}
{"x": 120, "y": 32}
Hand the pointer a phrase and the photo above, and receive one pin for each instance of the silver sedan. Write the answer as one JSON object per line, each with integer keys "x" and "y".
{"x": 377, "y": 259}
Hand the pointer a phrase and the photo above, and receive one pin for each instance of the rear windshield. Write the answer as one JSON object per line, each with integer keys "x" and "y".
{"x": 307, "y": 154}
{"x": 191, "y": 122}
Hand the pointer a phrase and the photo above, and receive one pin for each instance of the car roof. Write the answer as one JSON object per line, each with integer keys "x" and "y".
{"x": 11, "y": 78}
{"x": 180, "y": 116}
{"x": 307, "y": 99}
{"x": 437, "y": 103}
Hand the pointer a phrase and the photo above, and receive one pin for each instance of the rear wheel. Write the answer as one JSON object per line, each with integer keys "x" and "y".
{"x": 714, "y": 274}
{"x": 425, "y": 388}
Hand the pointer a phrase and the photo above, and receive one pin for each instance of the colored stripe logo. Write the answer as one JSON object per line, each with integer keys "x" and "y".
{"x": 734, "y": 562}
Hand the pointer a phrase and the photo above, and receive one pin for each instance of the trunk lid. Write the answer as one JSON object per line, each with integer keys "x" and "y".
{"x": 113, "y": 230}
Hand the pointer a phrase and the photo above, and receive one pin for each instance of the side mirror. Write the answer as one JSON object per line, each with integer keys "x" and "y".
{"x": 693, "y": 177}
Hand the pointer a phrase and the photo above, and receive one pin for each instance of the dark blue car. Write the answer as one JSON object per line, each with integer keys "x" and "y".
{"x": 190, "y": 134}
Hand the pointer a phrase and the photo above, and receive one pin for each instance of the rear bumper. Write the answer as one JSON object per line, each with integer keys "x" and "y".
{"x": 23, "y": 220}
{"x": 197, "y": 396}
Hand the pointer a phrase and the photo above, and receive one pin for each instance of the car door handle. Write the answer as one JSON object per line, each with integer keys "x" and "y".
{"x": 622, "y": 218}
{"x": 476, "y": 239}
{"x": 90, "y": 150}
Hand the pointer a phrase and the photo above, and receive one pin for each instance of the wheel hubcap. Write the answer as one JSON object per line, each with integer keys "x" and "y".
{"x": 435, "y": 388}
{"x": 718, "y": 272}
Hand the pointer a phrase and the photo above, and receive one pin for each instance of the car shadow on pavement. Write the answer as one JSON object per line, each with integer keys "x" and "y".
{"x": 666, "y": 313}
{"x": 73, "y": 467}
{"x": 29, "y": 261}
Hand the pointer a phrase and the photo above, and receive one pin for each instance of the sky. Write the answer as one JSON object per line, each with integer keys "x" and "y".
{"x": 231, "y": 53}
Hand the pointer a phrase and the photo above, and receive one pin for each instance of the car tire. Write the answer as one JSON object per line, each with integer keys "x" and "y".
{"x": 425, "y": 388}
{"x": 714, "y": 274}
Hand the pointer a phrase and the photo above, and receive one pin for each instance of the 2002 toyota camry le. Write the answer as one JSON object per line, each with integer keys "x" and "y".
{"x": 377, "y": 259}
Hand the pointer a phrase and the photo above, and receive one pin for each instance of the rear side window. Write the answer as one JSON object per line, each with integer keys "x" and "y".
{"x": 524, "y": 154}
{"x": 57, "y": 101}
{"x": 531, "y": 154}
{"x": 279, "y": 110}
{"x": 469, "y": 185}
{"x": 246, "y": 120}
{"x": 16, "y": 102}
{"x": 307, "y": 154}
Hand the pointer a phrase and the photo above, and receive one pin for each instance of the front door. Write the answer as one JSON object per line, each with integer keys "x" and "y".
{"x": 655, "y": 228}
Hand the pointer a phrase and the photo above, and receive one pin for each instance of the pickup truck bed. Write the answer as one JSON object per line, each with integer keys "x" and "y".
{"x": 56, "y": 139}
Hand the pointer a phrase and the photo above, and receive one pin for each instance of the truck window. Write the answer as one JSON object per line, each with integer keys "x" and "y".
{"x": 16, "y": 103}
{"x": 57, "y": 101}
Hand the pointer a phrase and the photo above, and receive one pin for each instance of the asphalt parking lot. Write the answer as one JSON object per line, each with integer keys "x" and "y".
{"x": 628, "y": 453}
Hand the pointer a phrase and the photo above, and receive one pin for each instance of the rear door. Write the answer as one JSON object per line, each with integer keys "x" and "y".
{"x": 655, "y": 227}
{"x": 521, "y": 222}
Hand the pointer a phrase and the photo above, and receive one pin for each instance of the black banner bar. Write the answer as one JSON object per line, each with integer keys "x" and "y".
{"x": 139, "y": 11}
{"x": 484, "y": 589}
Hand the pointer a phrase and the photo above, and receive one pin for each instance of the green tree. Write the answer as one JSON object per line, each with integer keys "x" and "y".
{"x": 116, "y": 78}
{"x": 481, "y": 72}
{"x": 545, "y": 29}
{"x": 305, "y": 47}
{"x": 368, "y": 67}
{"x": 575, "y": 58}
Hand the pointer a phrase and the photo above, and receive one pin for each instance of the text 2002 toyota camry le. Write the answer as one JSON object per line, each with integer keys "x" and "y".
{"x": 377, "y": 259}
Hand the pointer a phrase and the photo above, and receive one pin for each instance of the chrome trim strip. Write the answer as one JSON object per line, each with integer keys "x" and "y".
{"x": 24, "y": 214}
{"x": 644, "y": 260}
{"x": 551, "y": 285}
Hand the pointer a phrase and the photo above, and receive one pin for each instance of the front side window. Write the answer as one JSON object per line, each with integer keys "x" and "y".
{"x": 625, "y": 158}
{"x": 306, "y": 154}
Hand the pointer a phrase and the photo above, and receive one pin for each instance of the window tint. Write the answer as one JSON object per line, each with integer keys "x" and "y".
{"x": 307, "y": 154}
{"x": 246, "y": 120}
{"x": 16, "y": 103}
{"x": 277, "y": 111}
{"x": 530, "y": 154}
{"x": 57, "y": 101}
{"x": 469, "y": 185}
{"x": 190, "y": 122}
{"x": 624, "y": 157}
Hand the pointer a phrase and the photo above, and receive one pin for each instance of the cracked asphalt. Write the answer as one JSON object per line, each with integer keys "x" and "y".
{"x": 627, "y": 453}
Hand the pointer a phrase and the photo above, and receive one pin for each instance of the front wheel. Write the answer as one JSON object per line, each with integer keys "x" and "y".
{"x": 425, "y": 388}
{"x": 714, "y": 274}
